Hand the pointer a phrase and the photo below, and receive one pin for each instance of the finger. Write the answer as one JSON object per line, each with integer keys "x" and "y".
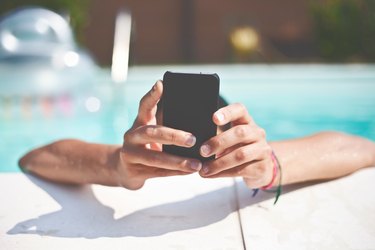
{"x": 240, "y": 134}
{"x": 159, "y": 134}
{"x": 137, "y": 155}
{"x": 235, "y": 112}
{"x": 256, "y": 174}
{"x": 148, "y": 104}
{"x": 239, "y": 156}
{"x": 137, "y": 174}
{"x": 143, "y": 172}
{"x": 160, "y": 172}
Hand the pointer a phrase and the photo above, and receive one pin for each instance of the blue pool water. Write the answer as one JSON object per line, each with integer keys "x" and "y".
{"x": 287, "y": 100}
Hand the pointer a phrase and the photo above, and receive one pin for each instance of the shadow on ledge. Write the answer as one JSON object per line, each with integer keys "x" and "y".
{"x": 82, "y": 215}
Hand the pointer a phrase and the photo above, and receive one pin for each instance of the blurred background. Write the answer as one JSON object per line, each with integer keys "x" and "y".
{"x": 299, "y": 66}
{"x": 219, "y": 31}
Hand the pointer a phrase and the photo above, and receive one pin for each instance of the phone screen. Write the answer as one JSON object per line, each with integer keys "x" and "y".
{"x": 189, "y": 101}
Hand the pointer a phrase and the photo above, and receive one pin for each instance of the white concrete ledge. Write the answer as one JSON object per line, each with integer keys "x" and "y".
{"x": 171, "y": 213}
{"x": 187, "y": 212}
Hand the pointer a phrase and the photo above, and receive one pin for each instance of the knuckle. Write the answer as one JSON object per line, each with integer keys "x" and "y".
{"x": 127, "y": 137}
{"x": 241, "y": 107}
{"x": 151, "y": 132}
{"x": 267, "y": 150}
{"x": 240, "y": 155}
{"x": 240, "y": 131}
{"x": 264, "y": 152}
{"x": 216, "y": 143}
{"x": 262, "y": 133}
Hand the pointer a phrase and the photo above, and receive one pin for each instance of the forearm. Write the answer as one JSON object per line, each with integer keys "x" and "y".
{"x": 323, "y": 156}
{"x": 73, "y": 161}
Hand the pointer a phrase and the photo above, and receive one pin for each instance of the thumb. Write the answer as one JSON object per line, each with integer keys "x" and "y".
{"x": 148, "y": 105}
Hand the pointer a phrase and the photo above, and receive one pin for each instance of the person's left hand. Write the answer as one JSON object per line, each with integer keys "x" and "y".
{"x": 242, "y": 150}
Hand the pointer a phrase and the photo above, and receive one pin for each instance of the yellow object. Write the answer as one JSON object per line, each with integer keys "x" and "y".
{"x": 244, "y": 40}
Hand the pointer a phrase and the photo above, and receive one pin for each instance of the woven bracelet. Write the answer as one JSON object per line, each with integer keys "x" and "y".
{"x": 278, "y": 189}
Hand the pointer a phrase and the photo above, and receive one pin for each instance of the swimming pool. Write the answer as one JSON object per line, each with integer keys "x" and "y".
{"x": 287, "y": 100}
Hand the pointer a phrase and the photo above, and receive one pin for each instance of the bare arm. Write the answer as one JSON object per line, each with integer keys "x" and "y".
{"x": 75, "y": 162}
{"x": 324, "y": 155}
{"x": 321, "y": 156}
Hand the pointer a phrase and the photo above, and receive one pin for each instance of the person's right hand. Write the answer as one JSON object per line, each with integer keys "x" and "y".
{"x": 141, "y": 156}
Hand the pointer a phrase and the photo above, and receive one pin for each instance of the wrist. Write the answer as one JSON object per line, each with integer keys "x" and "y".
{"x": 275, "y": 173}
{"x": 276, "y": 176}
{"x": 113, "y": 166}
{"x": 124, "y": 175}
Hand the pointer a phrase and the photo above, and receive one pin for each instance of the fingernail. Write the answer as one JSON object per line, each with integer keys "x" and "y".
{"x": 195, "y": 165}
{"x": 205, "y": 170}
{"x": 190, "y": 140}
{"x": 206, "y": 150}
{"x": 219, "y": 117}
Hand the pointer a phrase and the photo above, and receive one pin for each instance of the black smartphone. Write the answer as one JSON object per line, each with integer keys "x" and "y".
{"x": 189, "y": 101}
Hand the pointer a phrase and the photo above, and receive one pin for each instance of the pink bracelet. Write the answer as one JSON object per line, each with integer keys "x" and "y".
{"x": 274, "y": 173}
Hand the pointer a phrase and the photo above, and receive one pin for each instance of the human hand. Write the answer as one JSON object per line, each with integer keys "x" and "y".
{"x": 141, "y": 156}
{"x": 242, "y": 150}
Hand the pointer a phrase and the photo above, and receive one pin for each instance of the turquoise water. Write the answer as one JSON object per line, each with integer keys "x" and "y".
{"x": 287, "y": 100}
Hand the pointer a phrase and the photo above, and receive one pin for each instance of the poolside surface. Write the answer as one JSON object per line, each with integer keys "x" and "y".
{"x": 187, "y": 213}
